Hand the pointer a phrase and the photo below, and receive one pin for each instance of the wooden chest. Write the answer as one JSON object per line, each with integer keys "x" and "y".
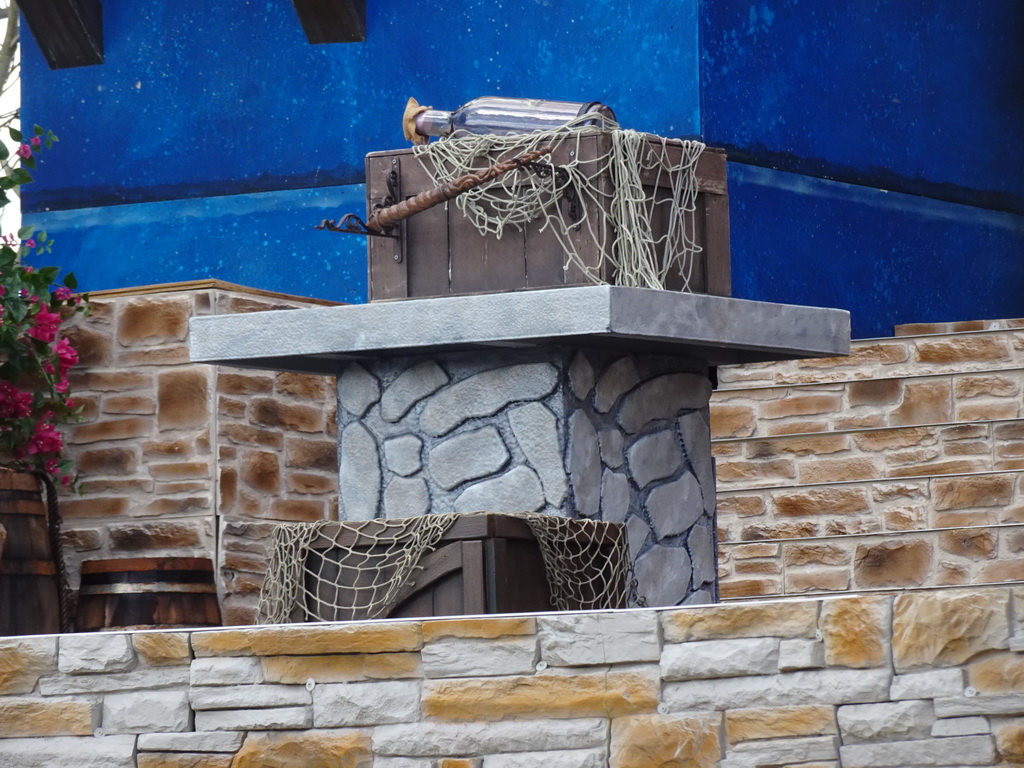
{"x": 485, "y": 563}
{"x": 440, "y": 253}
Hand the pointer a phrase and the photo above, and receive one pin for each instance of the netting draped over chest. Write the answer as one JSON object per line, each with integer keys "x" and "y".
{"x": 614, "y": 181}
{"x": 326, "y": 571}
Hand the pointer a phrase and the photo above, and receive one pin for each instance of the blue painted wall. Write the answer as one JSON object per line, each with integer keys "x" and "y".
{"x": 214, "y": 136}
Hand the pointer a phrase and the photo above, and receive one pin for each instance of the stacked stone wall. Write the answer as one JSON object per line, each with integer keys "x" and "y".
{"x": 583, "y": 433}
{"x": 921, "y": 678}
{"x": 899, "y": 466}
{"x": 172, "y": 455}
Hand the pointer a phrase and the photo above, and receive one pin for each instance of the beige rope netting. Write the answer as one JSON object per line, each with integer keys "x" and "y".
{"x": 636, "y": 255}
{"x": 326, "y": 571}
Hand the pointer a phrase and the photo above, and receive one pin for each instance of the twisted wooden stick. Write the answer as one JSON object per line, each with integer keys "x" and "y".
{"x": 382, "y": 220}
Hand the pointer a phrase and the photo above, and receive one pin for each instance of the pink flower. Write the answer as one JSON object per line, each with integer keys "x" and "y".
{"x": 62, "y": 294}
{"x": 14, "y": 403}
{"x": 35, "y": 141}
{"x": 66, "y": 355}
{"x": 24, "y": 151}
{"x": 45, "y": 438}
{"x": 30, "y": 243}
{"x": 46, "y": 325}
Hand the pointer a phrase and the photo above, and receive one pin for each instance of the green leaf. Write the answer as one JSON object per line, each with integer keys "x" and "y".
{"x": 15, "y": 134}
{"x": 49, "y": 274}
{"x": 21, "y": 176}
{"x": 38, "y": 131}
{"x": 70, "y": 281}
{"x": 29, "y": 162}
{"x": 4, "y": 152}
{"x": 26, "y": 232}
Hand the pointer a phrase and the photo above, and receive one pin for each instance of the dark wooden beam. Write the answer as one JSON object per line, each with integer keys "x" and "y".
{"x": 332, "y": 21}
{"x": 69, "y": 32}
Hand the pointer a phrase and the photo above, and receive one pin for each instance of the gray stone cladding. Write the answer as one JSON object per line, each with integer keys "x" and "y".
{"x": 584, "y": 433}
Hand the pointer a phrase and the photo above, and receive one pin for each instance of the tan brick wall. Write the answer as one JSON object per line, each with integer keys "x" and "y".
{"x": 176, "y": 456}
{"x": 926, "y": 677}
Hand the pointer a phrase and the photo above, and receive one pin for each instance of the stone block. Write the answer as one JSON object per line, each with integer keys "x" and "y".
{"x": 183, "y": 760}
{"x": 248, "y": 696}
{"x": 249, "y": 383}
{"x": 904, "y": 562}
{"x": 792, "y": 619}
{"x": 535, "y": 429}
{"x": 110, "y": 682}
{"x": 720, "y": 658}
{"x": 359, "y": 473}
{"x": 369, "y": 703}
{"x": 960, "y": 726}
{"x": 967, "y": 542}
{"x": 303, "y": 510}
{"x": 309, "y": 749}
{"x": 162, "y": 648}
{"x": 309, "y": 640}
{"x": 107, "y": 461}
{"x": 284, "y": 718}
{"x": 267, "y": 412}
{"x": 773, "y": 723}
{"x": 855, "y": 631}
{"x": 675, "y": 506}
{"x": 183, "y": 398}
{"x": 939, "y": 629}
{"x": 826, "y": 686}
{"x": 486, "y": 393}
{"x": 358, "y": 389}
{"x": 156, "y": 536}
{"x": 584, "y": 459}
{"x": 244, "y": 434}
{"x": 957, "y": 750}
{"x": 110, "y": 429}
{"x": 23, "y": 660}
{"x": 46, "y": 717}
{"x": 664, "y": 574}
{"x": 625, "y": 637}
{"x": 654, "y": 456}
{"x": 306, "y": 483}
{"x": 581, "y": 375}
{"x": 560, "y": 758}
{"x": 406, "y": 497}
{"x": 755, "y": 473}
{"x": 89, "y": 752}
{"x": 484, "y": 738}
{"x": 617, "y": 379}
{"x": 966, "y": 706}
{"x": 402, "y": 454}
{"x": 615, "y": 496}
{"x": 146, "y": 711}
{"x": 874, "y": 392}
{"x": 962, "y": 349}
{"x": 839, "y": 470}
{"x": 800, "y": 653}
{"x": 795, "y": 555}
{"x": 411, "y": 386}
{"x": 728, "y": 420}
{"x": 970, "y": 492}
{"x": 1000, "y": 673}
{"x": 518, "y": 490}
{"x": 821, "y": 501}
{"x": 459, "y": 657}
{"x": 887, "y": 721}
{"x": 663, "y": 397}
{"x": 749, "y": 588}
{"x": 467, "y": 456}
{"x": 819, "y": 580}
{"x": 204, "y": 741}
{"x": 82, "y": 654}
{"x": 306, "y": 386}
{"x": 1010, "y": 740}
{"x": 929, "y": 684}
{"x": 752, "y": 754}
{"x": 153, "y": 320}
{"x": 555, "y": 696}
{"x": 642, "y": 741}
{"x": 260, "y": 471}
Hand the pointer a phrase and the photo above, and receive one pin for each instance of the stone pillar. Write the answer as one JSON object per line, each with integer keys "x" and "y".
{"x": 590, "y": 433}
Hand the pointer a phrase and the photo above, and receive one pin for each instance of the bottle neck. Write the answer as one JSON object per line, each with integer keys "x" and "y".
{"x": 433, "y": 122}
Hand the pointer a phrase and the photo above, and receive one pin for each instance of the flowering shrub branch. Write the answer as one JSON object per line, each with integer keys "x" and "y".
{"x": 35, "y": 357}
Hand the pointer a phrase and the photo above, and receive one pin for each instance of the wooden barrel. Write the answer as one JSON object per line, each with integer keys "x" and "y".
{"x": 29, "y": 584}
{"x": 147, "y": 593}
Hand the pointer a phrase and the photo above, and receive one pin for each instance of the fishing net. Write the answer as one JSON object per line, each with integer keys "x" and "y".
{"x": 330, "y": 571}
{"x": 641, "y": 236}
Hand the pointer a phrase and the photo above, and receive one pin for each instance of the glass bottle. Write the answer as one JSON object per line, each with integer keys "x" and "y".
{"x": 499, "y": 115}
